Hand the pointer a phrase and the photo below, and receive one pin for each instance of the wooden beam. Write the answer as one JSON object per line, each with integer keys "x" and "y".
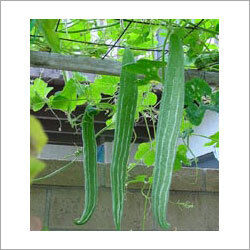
{"x": 98, "y": 66}
{"x": 74, "y": 63}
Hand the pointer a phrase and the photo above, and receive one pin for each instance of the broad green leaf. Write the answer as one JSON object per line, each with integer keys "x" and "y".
{"x": 65, "y": 100}
{"x": 149, "y": 69}
{"x": 207, "y": 59}
{"x": 145, "y": 99}
{"x": 47, "y": 27}
{"x": 195, "y": 90}
{"x": 38, "y": 94}
{"x": 36, "y": 101}
{"x": 195, "y": 113}
{"x": 149, "y": 158}
{"x": 146, "y": 153}
{"x": 215, "y": 100}
{"x": 150, "y": 179}
{"x": 106, "y": 84}
{"x": 181, "y": 157}
{"x": 149, "y": 99}
{"x": 195, "y": 45}
{"x": 80, "y": 77}
{"x": 143, "y": 148}
{"x": 80, "y": 89}
{"x": 93, "y": 94}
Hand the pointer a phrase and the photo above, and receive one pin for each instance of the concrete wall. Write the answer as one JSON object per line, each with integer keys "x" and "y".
{"x": 59, "y": 200}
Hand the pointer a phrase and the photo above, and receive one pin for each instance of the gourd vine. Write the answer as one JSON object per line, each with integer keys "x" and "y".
{"x": 151, "y": 90}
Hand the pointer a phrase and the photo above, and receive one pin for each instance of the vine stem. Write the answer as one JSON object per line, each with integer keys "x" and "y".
{"x": 153, "y": 120}
{"x": 195, "y": 159}
{"x": 147, "y": 127}
{"x": 145, "y": 205}
{"x": 68, "y": 165}
{"x": 103, "y": 129}
{"x": 205, "y": 137}
{"x": 93, "y": 28}
{"x": 60, "y": 170}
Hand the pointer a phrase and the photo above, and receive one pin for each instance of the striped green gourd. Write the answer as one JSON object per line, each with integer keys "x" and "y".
{"x": 89, "y": 164}
{"x": 169, "y": 122}
{"x": 126, "y": 107}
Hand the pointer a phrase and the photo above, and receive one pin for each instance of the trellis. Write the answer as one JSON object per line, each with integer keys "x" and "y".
{"x": 191, "y": 28}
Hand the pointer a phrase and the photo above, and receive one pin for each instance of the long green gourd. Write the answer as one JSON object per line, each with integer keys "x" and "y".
{"x": 89, "y": 164}
{"x": 126, "y": 107}
{"x": 169, "y": 122}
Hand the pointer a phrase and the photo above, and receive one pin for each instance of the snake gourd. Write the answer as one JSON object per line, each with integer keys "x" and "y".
{"x": 126, "y": 107}
{"x": 169, "y": 122}
{"x": 89, "y": 164}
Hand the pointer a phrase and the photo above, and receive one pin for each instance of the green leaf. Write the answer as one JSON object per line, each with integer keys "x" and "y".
{"x": 143, "y": 148}
{"x": 186, "y": 126}
{"x": 146, "y": 153}
{"x": 215, "y": 100}
{"x": 150, "y": 179}
{"x": 93, "y": 94}
{"x": 138, "y": 179}
{"x": 106, "y": 84}
{"x": 80, "y": 77}
{"x": 206, "y": 59}
{"x": 149, "y": 158}
{"x": 47, "y": 27}
{"x": 195, "y": 90}
{"x": 181, "y": 157}
{"x": 193, "y": 40}
{"x": 65, "y": 100}
{"x": 145, "y": 99}
{"x": 214, "y": 140}
{"x": 195, "y": 113}
{"x": 36, "y": 101}
{"x": 149, "y": 69}
{"x": 149, "y": 99}
{"x": 38, "y": 94}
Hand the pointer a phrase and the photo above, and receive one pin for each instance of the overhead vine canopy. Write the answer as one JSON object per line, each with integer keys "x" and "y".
{"x": 107, "y": 38}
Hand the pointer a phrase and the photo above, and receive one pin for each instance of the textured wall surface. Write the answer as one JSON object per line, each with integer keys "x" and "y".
{"x": 60, "y": 199}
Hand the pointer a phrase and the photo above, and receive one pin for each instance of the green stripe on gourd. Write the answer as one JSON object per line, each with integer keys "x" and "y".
{"x": 170, "y": 116}
{"x": 89, "y": 164}
{"x": 126, "y": 107}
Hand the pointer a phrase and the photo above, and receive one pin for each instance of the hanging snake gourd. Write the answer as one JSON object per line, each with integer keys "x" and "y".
{"x": 89, "y": 164}
{"x": 126, "y": 107}
{"x": 169, "y": 122}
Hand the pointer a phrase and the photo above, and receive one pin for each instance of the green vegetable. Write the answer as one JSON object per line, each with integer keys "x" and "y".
{"x": 169, "y": 122}
{"x": 89, "y": 164}
{"x": 126, "y": 107}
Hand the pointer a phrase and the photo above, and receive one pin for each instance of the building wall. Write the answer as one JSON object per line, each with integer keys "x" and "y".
{"x": 57, "y": 201}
